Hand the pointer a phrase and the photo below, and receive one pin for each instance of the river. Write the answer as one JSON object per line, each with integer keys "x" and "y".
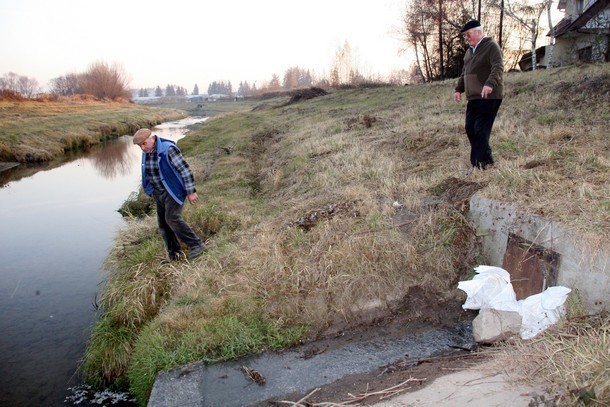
{"x": 56, "y": 228}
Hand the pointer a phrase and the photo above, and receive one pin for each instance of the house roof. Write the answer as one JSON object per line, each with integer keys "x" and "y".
{"x": 527, "y": 58}
{"x": 567, "y": 25}
{"x": 561, "y": 27}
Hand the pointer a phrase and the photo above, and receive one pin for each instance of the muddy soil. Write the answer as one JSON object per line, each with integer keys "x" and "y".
{"x": 357, "y": 389}
{"x": 385, "y": 382}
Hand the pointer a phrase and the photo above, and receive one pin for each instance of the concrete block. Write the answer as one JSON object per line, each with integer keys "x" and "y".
{"x": 583, "y": 267}
{"x": 492, "y": 325}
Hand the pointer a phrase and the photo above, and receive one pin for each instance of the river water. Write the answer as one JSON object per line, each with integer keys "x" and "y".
{"x": 56, "y": 229}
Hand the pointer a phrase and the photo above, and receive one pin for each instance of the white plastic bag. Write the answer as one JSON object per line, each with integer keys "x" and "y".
{"x": 539, "y": 311}
{"x": 489, "y": 288}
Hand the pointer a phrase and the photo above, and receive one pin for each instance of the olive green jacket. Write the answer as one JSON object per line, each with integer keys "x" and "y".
{"x": 483, "y": 67}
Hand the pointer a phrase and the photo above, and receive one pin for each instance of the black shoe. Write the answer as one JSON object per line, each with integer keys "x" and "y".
{"x": 196, "y": 252}
{"x": 176, "y": 256}
{"x": 172, "y": 257}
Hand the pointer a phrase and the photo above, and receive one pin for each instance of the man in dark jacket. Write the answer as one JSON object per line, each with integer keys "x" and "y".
{"x": 482, "y": 81}
{"x": 167, "y": 177}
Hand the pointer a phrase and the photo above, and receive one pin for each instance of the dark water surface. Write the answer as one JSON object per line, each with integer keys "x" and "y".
{"x": 56, "y": 228}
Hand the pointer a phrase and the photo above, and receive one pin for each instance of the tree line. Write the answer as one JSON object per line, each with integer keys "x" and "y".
{"x": 429, "y": 29}
{"x": 101, "y": 80}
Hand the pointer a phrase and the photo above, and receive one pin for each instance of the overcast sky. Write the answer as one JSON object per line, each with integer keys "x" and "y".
{"x": 188, "y": 42}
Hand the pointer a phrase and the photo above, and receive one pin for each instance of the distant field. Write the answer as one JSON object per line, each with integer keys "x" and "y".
{"x": 208, "y": 108}
{"x": 32, "y": 131}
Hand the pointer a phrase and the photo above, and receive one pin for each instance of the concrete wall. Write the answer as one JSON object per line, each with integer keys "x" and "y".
{"x": 581, "y": 267}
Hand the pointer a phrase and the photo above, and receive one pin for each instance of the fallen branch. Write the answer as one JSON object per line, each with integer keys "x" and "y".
{"x": 382, "y": 394}
{"x": 298, "y": 403}
{"x": 227, "y": 150}
{"x": 385, "y": 393}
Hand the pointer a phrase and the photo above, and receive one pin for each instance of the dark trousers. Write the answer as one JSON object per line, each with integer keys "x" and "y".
{"x": 171, "y": 225}
{"x": 480, "y": 116}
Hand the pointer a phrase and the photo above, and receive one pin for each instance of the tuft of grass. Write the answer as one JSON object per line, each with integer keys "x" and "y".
{"x": 570, "y": 358}
{"x": 108, "y": 353}
{"x": 138, "y": 204}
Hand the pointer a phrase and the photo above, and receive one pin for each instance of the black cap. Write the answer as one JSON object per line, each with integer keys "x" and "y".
{"x": 469, "y": 25}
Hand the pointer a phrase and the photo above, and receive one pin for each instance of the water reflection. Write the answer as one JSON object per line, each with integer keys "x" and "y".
{"x": 58, "y": 221}
{"x": 116, "y": 159}
{"x": 111, "y": 158}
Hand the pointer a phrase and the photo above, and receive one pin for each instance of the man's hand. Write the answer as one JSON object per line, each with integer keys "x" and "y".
{"x": 192, "y": 198}
{"x": 457, "y": 96}
{"x": 486, "y": 91}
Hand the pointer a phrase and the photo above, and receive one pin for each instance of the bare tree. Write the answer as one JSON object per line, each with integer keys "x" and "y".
{"x": 418, "y": 30}
{"x": 274, "y": 84}
{"x": 296, "y": 77}
{"x": 399, "y": 77}
{"x": 440, "y": 39}
{"x": 344, "y": 70}
{"x": 105, "y": 81}
{"x": 501, "y": 25}
{"x": 24, "y": 86}
{"x": 431, "y": 30}
{"x": 67, "y": 85}
{"x": 528, "y": 16}
{"x": 550, "y": 60}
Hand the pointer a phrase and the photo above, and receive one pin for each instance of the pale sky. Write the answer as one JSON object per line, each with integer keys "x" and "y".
{"x": 188, "y": 42}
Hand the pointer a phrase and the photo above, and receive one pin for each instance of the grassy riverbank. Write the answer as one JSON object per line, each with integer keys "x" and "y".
{"x": 38, "y": 131}
{"x": 334, "y": 211}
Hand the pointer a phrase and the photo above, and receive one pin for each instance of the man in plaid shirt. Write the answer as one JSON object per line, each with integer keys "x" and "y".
{"x": 167, "y": 177}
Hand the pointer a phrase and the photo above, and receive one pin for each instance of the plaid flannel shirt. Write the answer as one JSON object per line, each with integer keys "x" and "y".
{"x": 177, "y": 161}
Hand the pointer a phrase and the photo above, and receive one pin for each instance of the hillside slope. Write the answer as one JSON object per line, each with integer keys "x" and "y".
{"x": 344, "y": 208}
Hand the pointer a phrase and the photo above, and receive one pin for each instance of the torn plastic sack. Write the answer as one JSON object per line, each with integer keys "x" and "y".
{"x": 539, "y": 311}
{"x": 489, "y": 288}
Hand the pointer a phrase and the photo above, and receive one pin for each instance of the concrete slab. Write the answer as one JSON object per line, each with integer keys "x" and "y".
{"x": 300, "y": 370}
{"x": 480, "y": 386}
{"x": 582, "y": 267}
{"x": 7, "y": 165}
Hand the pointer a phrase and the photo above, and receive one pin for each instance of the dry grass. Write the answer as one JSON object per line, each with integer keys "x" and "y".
{"x": 332, "y": 207}
{"x": 37, "y": 131}
{"x": 572, "y": 358}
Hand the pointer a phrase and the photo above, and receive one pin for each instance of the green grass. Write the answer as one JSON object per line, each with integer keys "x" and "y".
{"x": 239, "y": 329}
{"x": 109, "y": 351}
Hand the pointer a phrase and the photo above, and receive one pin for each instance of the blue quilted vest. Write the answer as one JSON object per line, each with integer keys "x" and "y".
{"x": 170, "y": 178}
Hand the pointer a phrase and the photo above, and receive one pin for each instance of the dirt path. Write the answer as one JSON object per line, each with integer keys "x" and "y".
{"x": 472, "y": 379}
{"x": 480, "y": 385}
